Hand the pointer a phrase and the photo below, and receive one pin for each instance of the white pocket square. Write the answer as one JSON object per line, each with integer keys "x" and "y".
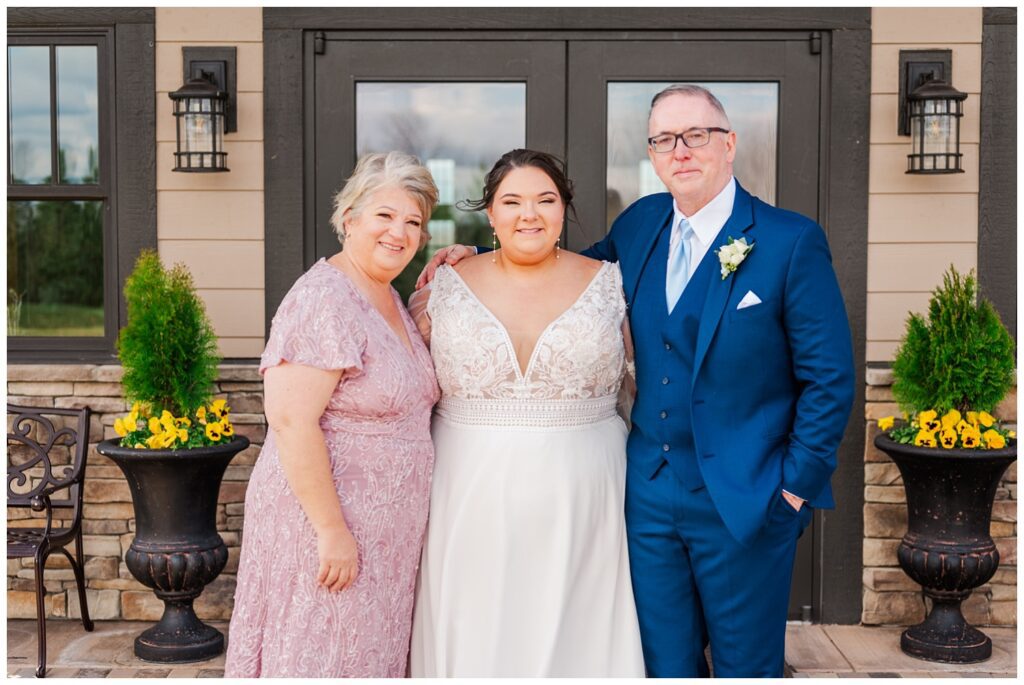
{"x": 749, "y": 300}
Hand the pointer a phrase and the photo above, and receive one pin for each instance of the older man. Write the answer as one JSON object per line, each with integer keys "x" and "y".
{"x": 744, "y": 386}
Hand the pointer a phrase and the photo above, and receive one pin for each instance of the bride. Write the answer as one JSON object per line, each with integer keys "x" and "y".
{"x": 525, "y": 570}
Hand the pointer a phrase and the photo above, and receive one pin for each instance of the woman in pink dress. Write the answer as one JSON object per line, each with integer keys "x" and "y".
{"x": 337, "y": 502}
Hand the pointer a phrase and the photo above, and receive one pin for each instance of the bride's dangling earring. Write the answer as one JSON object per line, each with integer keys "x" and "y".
{"x": 494, "y": 246}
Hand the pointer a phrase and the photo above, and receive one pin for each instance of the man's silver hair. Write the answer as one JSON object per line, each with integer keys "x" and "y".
{"x": 692, "y": 90}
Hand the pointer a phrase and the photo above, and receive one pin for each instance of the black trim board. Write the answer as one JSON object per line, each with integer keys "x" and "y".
{"x": 566, "y": 19}
{"x": 997, "y": 192}
{"x": 844, "y": 195}
{"x": 845, "y": 209}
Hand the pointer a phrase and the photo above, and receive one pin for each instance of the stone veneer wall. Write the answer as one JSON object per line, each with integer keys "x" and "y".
{"x": 108, "y": 522}
{"x": 890, "y": 597}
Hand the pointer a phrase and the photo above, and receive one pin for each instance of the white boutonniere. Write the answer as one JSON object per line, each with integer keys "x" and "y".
{"x": 732, "y": 255}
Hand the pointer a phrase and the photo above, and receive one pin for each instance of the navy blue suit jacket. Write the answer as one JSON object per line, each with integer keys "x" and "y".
{"x": 772, "y": 385}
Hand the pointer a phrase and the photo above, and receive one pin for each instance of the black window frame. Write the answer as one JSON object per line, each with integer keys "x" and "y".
{"x": 127, "y": 141}
{"x": 102, "y": 191}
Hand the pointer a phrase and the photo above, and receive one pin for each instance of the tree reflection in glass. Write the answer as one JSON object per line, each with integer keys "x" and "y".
{"x": 753, "y": 108}
{"x": 54, "y": 268}
{"x": 458, "y": 130}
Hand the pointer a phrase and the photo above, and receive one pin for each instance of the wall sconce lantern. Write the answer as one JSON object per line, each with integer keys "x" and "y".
{"x": 205, "y": 109}
{"x": 930, "y": 112}
{"x": 935, "y": 111}
{"x": 199, "y": 117}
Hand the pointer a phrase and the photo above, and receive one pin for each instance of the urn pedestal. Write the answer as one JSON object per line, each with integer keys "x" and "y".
{"x": 947, "y": 548}
{"x": 177, "y": 550}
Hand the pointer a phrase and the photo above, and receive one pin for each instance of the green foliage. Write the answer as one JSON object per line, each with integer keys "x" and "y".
{"x": 168, "y": 349}
{"x": 961, "y": 358}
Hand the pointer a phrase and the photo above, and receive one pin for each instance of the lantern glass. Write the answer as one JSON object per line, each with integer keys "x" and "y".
{"x": 935, "y": 111}
{"x": 200, "y": 127}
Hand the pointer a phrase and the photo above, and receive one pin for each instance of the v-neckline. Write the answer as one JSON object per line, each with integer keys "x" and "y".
{"x": 522, "y": 374}
{"x": 411, "y": 347}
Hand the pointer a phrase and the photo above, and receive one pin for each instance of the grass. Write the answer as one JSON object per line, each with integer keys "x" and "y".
{"x": 59, "y": 320}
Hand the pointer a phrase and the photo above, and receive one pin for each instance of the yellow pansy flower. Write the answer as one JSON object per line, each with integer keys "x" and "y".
{"x": 1011, "y": 434}
{"x": 970, "y": 437}
{"x": 962, "y": 426}
{"x": 926, "y": 421}
{"x": 214, "y": 431}
{"x": 951, "y": 418}
{"x": 167, "y": 420}
{"x": 182, "y": 435}
{"x": 986, "y": 419}
{"x": 948, "y": 439}
{"x": 121, "y": 427}
{"x": 994, "y": 440}
{"x": 226, "y": 428}
{"x": 167, "y": 439}
{"x": 219, "y": 407}
{"x": 925, "y": 439}
{"x": 139, "y": 446}
{"x": 182, "y": 421}
{"x": 885, "y": 423}
{"x": 201, "y": 415}
{"x": 154, "y": 425}
{"x": 972, "y": 417}
{"x": 154, "y": 441}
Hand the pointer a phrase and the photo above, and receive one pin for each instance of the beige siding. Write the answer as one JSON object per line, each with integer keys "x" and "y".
{"x": 917, "y": 224}
{"x": 213, "y": 223}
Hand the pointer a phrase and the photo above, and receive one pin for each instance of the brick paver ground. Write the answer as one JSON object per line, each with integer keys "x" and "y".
{"x": 812, "y": 651}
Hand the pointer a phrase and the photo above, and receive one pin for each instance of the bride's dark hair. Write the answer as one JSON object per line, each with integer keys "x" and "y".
{"x": 516, "y": 159}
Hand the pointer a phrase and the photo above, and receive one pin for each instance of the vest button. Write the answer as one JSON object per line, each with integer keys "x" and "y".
{"x": 664, "y": 381}
{"x": 664, "y": 414}
{"x": 664, "y": 448}
{"x": 667, "y": 346}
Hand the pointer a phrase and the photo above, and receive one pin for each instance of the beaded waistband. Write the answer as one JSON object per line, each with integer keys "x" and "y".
{"x": 527, "y": 412}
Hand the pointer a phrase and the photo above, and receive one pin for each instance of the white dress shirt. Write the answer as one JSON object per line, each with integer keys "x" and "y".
{"x": 706, "y": 223}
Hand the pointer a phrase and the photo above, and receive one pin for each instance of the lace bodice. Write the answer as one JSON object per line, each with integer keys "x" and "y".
{"x": 580, "y": 356}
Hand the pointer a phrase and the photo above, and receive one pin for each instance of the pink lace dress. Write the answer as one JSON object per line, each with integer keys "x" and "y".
{"x": 377, "y": 428}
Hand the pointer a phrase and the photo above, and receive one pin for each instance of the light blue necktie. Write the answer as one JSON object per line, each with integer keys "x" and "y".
{"x": 678, "y": 263}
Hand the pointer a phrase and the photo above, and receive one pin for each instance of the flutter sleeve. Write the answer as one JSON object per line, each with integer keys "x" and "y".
{"x": 317, "y": 325}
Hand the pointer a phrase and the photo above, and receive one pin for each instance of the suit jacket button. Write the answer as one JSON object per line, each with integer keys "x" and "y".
{"x": 668, "y": 347}
{"x": 664, "y": 381}
{"x": 664, "y": 448}
{"x": 664, "y": 414}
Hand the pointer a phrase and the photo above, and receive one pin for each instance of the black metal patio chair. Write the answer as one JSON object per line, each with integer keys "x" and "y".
{"x": 46, "y": 473}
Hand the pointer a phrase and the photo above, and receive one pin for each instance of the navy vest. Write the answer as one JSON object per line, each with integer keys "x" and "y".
{"x": 666, "y": 344}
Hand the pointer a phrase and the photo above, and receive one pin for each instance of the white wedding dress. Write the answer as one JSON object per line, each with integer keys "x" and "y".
{"x": 525, "y": 569}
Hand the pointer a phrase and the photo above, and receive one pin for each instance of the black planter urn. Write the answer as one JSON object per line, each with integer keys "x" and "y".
{"x": 177, "y": 550}
{"x": 947, "y": 548}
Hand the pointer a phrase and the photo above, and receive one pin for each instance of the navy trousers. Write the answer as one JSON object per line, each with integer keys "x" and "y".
{"x": 694, "y": 583}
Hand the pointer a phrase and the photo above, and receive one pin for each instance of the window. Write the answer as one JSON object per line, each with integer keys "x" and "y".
{"x": 58, "y": 187}
{"x": 70, "y": 235}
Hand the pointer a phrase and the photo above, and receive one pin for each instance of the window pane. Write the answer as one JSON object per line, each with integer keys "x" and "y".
{"x": 459, "y": 130}
{"x": 78, "y": 114}
{"x": 54, "y": 268}
{"x": 753, "y": 109}
{"x": 28, "y": 102}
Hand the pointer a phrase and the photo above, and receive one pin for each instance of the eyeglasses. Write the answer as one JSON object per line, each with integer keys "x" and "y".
{"x": 694, "y": 137}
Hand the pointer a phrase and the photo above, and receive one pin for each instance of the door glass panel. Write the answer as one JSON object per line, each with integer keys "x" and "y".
{"x": 753, "y": 109}
{"x": 54, "y": 268}
{"x": 458, "y": 130}
{"x": 77, "y": 114}
{"x": 28, "y": 101}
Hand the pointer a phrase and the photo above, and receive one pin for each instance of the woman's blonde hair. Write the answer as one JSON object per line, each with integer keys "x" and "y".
{"x": 379, "y": 170}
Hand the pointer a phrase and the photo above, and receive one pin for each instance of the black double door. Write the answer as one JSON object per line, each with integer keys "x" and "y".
{"x": 459, "y": 104}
